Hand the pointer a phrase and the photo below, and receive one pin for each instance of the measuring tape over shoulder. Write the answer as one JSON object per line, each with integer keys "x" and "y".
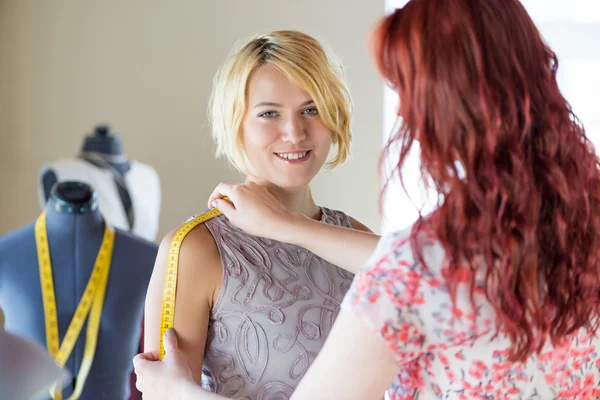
{"x": 167, "y": 318}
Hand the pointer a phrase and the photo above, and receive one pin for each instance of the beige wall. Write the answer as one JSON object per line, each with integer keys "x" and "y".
{"x": 146, "y": 68}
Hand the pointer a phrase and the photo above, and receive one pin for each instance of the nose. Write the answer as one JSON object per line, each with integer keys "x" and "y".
{"x": 294, "y": 131}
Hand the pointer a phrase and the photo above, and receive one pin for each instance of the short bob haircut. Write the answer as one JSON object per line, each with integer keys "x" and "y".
{"x": 306, "y": 63}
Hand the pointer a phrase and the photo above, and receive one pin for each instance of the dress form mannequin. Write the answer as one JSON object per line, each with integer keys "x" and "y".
{"x": 75, "y": 229}
{"x": 128, "y": 191}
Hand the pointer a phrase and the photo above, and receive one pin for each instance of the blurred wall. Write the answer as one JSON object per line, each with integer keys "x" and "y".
{"x": 146, "y": 68}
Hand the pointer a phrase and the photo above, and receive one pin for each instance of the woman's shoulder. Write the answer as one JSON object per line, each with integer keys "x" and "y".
{"x": 335, "y": 217}
{"x": 340, "y": 218}
{"x": 198, "y": 251}
{"x": 198, "y": 258}
{"x": 193, "y": 234}
{"x": 399, "y": 245}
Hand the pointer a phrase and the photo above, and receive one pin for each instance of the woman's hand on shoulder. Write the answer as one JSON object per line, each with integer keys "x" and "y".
{"x": 255, "y": 210}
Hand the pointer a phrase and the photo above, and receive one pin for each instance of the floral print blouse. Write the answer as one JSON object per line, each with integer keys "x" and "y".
{"x": 447, "y": 352}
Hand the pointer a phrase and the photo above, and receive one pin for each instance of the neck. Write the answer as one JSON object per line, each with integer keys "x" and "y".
{"x": 110, "y": 146}
{"x": 296, "y": 200}
{"x": 105, "y": 150}
{"x": 72, "y": 205}
{"x": 59, "y": 221}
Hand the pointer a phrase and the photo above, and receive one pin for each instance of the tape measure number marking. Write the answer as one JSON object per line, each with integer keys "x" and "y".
{"x": 91, "y": 304}
{"x": 167, "y": 318}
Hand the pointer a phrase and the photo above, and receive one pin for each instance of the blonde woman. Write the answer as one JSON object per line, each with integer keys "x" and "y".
{"x": 495, "y": 294}
{"x": 255, "y": 312}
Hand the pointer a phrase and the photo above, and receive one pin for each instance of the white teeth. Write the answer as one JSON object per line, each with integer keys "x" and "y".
{"x": 293, "y": 156}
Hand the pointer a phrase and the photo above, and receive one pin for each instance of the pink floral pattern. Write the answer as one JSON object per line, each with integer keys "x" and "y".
{"x": 447, "y": 352}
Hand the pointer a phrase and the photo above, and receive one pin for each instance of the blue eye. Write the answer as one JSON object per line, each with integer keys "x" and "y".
{"x": 268, "y": 114}
{"x": 311, "y": 111}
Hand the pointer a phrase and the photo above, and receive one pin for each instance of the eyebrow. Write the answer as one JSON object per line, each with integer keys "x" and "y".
{"x": 271, "y": 104}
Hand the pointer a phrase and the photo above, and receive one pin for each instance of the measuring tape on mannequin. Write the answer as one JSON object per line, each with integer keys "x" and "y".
{"x": 91, "y": 303}
{"x": 167, "y": 318}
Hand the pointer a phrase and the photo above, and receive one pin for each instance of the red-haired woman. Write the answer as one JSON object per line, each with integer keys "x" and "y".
{"x": 496, "y": 294}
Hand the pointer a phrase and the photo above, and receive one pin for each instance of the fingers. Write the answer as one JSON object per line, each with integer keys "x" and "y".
{"x": 226, "y": 196}
{"x": 170, "y": 341}
{"x": 142, "y": 366}
{"x": 223, "y": 189}
{"x": 226, "y": 208}
{"x": 148, "y": 356}
{"x": 139, "y": 363}
{"x": 140, "y": 386}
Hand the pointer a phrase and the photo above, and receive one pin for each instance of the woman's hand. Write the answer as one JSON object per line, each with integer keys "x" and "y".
{"x": 253, "y": 209}
{"x": 166, "y": 379}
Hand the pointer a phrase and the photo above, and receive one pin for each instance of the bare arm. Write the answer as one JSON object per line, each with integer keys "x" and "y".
{"x": 199, "y": 278}
{"x": 347, "y": 248}
{"x": 363, "y": 364}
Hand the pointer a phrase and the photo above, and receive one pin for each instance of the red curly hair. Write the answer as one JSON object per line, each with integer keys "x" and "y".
{"x": 477, "y": 86}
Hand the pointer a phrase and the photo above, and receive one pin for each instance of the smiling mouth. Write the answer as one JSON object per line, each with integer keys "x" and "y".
{"x": 293, "y": 156}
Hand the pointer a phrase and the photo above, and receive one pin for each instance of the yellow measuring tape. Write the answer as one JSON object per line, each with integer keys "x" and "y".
{"x": 167, "y": 318}
{"x": 91, "y": 303}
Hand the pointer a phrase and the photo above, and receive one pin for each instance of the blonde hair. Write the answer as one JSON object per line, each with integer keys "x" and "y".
{"x": 306, "y": 63}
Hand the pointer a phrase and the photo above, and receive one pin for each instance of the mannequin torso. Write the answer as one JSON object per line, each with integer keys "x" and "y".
{"x": 74, "y": 240}
{"x": 128, "y": 191}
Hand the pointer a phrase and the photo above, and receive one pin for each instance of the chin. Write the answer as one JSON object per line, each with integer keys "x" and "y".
{"x": 287, "y": 178}
{"x": 292, "y": 182}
